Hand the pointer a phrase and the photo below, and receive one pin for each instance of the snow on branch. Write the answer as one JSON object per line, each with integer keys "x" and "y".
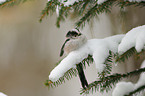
{"x": 134, "y": 38}
{"x": 69, "y": 62}
{"x": 132, "y": 43}
{"x": 128, "y": 88}
{"x": 141, "y": 80}
{"x": 98, "y": 48}
{"x": 2, "y": 94}
{"x": 70, "y": 73}
{"x": 137, "y": 92}
{"x": 102, "y": 1}
{"x": 122, "y": 88}
{"x": 68, "y": 2}
{"x": 85, "y": 9}
{"x": 109, "y": 81}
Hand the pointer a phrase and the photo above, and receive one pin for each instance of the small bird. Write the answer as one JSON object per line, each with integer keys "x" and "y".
{"x": 74, "y": 40}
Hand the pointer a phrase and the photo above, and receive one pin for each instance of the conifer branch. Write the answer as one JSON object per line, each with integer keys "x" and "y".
{"x": 138, "y": 90}
{"x": 126, "y": 55}
{"x": 108, "y": 66}
{"x": 96, "y": 9}
{"x": 69, "y": 74}
{"x": 85, "y": 8}
{"x": 50, "y": 8}
{"x": 109, "y": 81}
{"x": 126, "y": 3}
{"x": 11, "y": 3}
{"x": 63, "y": 12}
{"x": 7, "y": 3}
{"x": 106, "y": 7}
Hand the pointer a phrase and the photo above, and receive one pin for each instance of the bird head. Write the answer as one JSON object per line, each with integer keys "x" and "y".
{"x": 73, "y": 34}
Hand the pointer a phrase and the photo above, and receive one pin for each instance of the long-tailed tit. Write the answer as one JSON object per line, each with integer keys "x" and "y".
{"x": 74, "y": 40}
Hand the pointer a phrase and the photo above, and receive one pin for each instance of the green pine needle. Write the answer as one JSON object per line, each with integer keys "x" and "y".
{"x": 10, "y": 3}
{"x": 69, "y": 74}
{"x": 49, "y": 9}
{"x": 108, "y": 63}
{"x": 126, "y": 55}
{"x": 132, "y": 51}
{"x": 108, "y": 82}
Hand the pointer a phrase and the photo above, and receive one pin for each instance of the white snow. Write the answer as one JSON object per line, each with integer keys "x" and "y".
{"x": 2, "y": 94}
{"x": 2, "y": 1}
{"x": 122, "y": 88}
{"x": 68, "y": 2}
{"x": 99, "y": 48}
{"x": 57, "y": 10}
{"x": 101, "y": 1}
{"x": 141, "y": 80}
{"x": 69, "y": 62}
{"x": 134, "y": 0}
{"x": 134, "y": 38}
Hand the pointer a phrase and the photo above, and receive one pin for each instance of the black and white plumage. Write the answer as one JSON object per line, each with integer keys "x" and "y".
{"x": 74, "y": 40}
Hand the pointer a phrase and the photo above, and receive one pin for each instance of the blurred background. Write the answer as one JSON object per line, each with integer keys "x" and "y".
{"x": 29, "y": 49}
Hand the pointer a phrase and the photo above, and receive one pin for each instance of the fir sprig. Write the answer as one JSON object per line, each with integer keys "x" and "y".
{"x": 127, "y": 3}
{"x": 69, "y": 74}
{"x": 11, "y": 3}
{"x": 94, "y": 11}
{"x": 108, "y": 66}
{"x": 106, "y": 7}
{"x": 126, "y": 55}
{"x": 63, "y": 13}
{"x": 86, "y": 8}
{"x": 108, "y": 81}
{"x": 132, "y": 51}
{"x": 49, "y": 9}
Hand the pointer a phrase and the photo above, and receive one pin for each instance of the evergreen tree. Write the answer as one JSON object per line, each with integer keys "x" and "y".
{"x": 87, "y": 10}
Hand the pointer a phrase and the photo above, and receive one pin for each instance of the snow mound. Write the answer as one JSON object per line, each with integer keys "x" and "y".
{"x": 134, "y": 38}
{"x": 122, "y": 88}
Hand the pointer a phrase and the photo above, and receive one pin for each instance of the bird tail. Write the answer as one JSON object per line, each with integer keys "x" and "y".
{"x": 82, "y": 76}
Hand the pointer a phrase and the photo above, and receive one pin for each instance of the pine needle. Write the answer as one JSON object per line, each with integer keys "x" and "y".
{"x": 69, "y": 74}
{"x": 107, "y": 82}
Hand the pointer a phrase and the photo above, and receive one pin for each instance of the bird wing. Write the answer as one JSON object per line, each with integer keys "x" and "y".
{"x": 62, "y": 51}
